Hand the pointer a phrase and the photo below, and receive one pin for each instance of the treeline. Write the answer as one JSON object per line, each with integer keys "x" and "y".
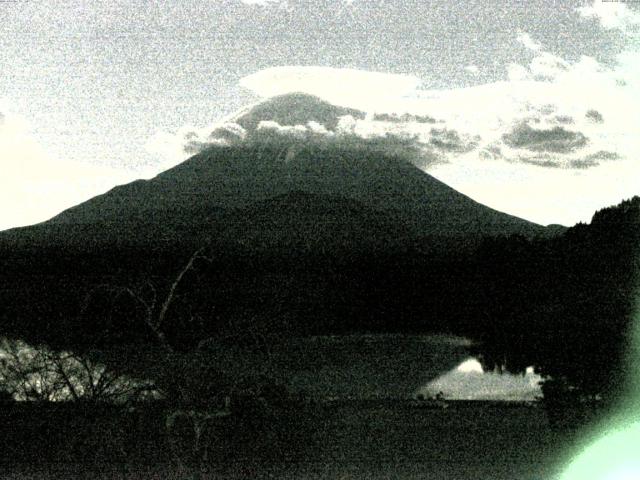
{"x": 566, "y": 304}
{"x": 562, "y": 304}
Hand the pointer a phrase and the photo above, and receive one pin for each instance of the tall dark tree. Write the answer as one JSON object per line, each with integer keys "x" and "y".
{"x": 565, "y": 305}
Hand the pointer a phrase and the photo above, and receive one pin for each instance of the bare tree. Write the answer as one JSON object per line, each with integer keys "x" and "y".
{"x": 42, "y": 374}
{"x": 183, "y": 377}
{"x": 187, "y": 379}
{"x": 155, "y": 309}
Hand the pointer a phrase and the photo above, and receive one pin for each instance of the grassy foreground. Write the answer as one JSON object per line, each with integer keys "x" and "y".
{"x": 348, "y": 440}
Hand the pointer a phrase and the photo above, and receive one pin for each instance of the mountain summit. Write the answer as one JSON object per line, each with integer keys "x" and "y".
{"x": 295, "y": 109}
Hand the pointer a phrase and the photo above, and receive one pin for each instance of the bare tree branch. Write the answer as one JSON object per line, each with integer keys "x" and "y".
{"x": 172, "y": 291}
{"x": 66, "y": 379}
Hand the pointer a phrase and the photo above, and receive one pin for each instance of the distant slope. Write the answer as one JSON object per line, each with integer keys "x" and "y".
{"x": 310, "y": 221}
{"x": 219, "y": 180}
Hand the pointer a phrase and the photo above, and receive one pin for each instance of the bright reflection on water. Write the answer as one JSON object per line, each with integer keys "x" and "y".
{"x": 468, "y": 381}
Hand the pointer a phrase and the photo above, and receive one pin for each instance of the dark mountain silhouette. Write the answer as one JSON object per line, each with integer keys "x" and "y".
{"x": 191, "y": 200}
{"x": 306, "y": 215}
{"x": 311, "y": 222}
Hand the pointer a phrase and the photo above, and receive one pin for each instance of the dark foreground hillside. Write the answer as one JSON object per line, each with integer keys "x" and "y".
{"x": 350, "y": 440}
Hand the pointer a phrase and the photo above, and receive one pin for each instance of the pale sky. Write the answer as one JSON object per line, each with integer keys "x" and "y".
{"x": 537, "y": 103}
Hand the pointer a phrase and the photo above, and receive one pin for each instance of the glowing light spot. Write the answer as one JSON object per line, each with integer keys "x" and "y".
{"x": 614, "y": 457}
{"x": 470, "y": 366}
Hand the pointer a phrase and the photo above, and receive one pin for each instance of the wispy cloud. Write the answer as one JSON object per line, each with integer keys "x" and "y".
{"x": 539, "y": 133}
{"x": 526, "y": 40}
{"x": 340, "y": 86}
{"x": 612, "y": 15}
{"x": 594, "y": 116}
{"x": 555, "y": 140}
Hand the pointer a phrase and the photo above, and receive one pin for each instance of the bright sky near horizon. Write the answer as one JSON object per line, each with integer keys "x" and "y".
{"x": 537, "y": 104}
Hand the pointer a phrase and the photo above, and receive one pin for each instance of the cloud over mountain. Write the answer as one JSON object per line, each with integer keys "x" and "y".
{"x": 539, "y": 111}
{"x": 403, "y": 118}
{"x": 448, "y": 140}
{"x": 554, "y": 127}
{"x": 299, "y": 120}
{"x": 339, "y": 86}
{"x": 226, "y": 133}
{"x": 555, "y": 140}
{"x": 296, "y": 108}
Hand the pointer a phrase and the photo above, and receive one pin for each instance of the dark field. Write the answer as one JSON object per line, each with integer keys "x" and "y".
{"x": 349, "y": 440}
